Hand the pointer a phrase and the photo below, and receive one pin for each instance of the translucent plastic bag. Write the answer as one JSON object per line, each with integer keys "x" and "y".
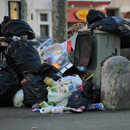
{"x": 18, "y": 98}
{"x": 54, "y": 49}
{"x": 59, "y": 99}
{"x": 76, "y": 80}
{"x": 61, "y": 96}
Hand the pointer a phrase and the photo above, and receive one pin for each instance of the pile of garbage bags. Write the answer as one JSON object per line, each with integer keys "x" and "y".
{"x": 53, "y": 83}
{"x": 98, "y": 20}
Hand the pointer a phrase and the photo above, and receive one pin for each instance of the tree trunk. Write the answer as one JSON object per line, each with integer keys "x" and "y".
{"x": 59, "y": 21}
{"x": 24, "y": 10}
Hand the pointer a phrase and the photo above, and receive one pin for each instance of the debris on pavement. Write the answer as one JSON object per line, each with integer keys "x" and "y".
{"x": 61, "y": 109}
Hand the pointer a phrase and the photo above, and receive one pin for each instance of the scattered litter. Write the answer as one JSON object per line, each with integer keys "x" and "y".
{"x": 61, "y": 109}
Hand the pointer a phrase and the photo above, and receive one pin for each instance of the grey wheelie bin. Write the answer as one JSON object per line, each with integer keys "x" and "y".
{"x": 91, "y": 51}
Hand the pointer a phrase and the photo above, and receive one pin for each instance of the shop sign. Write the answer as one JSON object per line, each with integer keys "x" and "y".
{"x": 81, "y": 14}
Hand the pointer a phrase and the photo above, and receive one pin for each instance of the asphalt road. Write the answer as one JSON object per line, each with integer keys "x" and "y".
{"x": 24, "y": 119}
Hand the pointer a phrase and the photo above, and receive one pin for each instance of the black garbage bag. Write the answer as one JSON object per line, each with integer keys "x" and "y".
{"x": 93, "y": 91}
{"x": 34, "y": 87}
{"x": 95, "y": 15}
{"x": 8, "y": 39}
{"x": 9, "y": 85}
{"x": 125, "y": 42}
{"x": 34, "y": 90}
{"x": 17, "y": 28}
{"x": 113, "y": 25}
{"x": 47, "y": 70}
{"x": 3, "y": 65}
{"x": 6, "y": 19}
{"x": 0, "y": 30}
{"x": 22, "y": 57}
{"x": 78, "y": 99}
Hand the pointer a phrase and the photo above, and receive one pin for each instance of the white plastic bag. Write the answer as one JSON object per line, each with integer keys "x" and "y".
{"x": 59, "y": 99}
{"x": 76, "y": 80}
{"x": 18, "y": 98}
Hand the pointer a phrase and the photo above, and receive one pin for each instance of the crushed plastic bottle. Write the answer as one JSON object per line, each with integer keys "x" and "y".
{"x": 54, "y": 86}
{"x": 58, "y": 109}
{"x": 51, "y": 82}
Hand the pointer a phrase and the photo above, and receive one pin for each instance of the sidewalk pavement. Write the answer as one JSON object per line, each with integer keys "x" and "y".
{"x": 24, "y": 119}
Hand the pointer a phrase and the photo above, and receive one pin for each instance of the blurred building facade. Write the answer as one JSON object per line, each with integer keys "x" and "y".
{"x": 119, "y": 8}
{"x": 39, "y": 12}
{"x": 78, "y": 9}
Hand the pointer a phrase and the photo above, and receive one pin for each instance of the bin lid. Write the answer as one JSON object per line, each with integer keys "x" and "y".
{"x": 83, "y": 49}
{"x": 88, "y": 31}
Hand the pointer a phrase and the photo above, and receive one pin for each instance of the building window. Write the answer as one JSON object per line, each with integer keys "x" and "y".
{"x": 14, "y": 10}
{"x": 45, "y": 23}
{"x": 112, "y": 12}
{"x": 43, "y": 17}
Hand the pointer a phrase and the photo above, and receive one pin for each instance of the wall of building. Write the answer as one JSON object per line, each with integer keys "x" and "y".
{"x": 3, "y": 9}
{"x": 123, "y": 6}
{"x": 88, "y": 6}
{"x": 35, "y": 7}
{"x": 82, "y": 10}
